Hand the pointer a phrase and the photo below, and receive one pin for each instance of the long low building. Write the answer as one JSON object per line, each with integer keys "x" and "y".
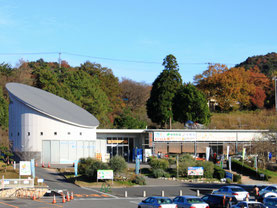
{"x": 51, "y": 129}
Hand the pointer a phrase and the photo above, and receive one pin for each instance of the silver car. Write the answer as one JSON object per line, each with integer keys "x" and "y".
{"x": 236, "y": 191}
{"x": 249, "y": 204}
{"x": 157, "y": 202}
{"x": 190, "y": 201}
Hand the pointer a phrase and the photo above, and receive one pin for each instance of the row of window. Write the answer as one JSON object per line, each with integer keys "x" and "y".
{"x": 41, "y": 133}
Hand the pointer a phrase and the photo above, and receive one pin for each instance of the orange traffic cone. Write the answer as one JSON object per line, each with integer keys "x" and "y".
{"x": 54, "y": 199}
{"x": 48, "y": 164}
{"x": 67, "y": 197}
{"x": 63, "y": 199}
{"x": 71, "y": 196}
{"x": 42, "y": 165}
{"x": 34, "y": 197}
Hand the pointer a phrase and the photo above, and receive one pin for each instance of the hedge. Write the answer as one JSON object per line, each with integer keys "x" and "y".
{"x": 244, "y": 169}
{"x": 219, "y": 173}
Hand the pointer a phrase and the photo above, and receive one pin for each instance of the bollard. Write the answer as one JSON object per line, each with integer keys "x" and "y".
{"x": 197, "y": 193}
{"x": 180, "y": 193}
{"x": 126, "y": 194}
{"x": 162, "y": 193}
{"x": 144, "y": 194}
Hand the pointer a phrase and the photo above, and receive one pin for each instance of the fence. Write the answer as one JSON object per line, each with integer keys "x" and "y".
{"x": 17, "y": 183}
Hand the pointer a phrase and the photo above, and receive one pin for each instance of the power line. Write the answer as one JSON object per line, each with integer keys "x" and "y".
{"x": 106, "y": 58}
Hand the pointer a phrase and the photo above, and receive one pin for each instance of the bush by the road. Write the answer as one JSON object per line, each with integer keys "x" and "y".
{"x": 219, "y": 173}
{"x": 157, "y": 173}
{"x": 88, "y": 167}
{"x": 118, "y": 164}
{"x": 138, "y": 179}
{"x": 237, "y": 178}
{"x": 156, "y": 163}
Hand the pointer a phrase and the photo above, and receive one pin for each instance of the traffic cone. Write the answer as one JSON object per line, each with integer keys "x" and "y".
{"x": 34, "y": 196}
{"x": 67, "y": 197}
{"x": 54, "y": 199}
{"x": 48, "y": 164}
{"x": 71, "y": 196}
{"x": 63, "y": 201}
{"x": 42, "y": 165}
{"x": 36, "y": 164}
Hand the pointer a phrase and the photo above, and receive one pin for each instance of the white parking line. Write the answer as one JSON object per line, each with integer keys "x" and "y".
{"x": 100, "y": 192}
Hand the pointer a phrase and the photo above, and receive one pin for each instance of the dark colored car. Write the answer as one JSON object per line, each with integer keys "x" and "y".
{"x": 217, "y": 200}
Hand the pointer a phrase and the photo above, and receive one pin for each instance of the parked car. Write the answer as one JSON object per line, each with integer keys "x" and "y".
{"x": 249, "y": 204}
{"x": 217, "y": 200}
{"x": 190, "y": 201}
{"x": 270, "y": 202}
{"x": 236, "y": 191}
{"x": 272, "y": 188}
{"x": 157, "y": 202}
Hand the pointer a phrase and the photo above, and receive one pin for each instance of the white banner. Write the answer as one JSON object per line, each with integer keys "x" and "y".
{"x": 25, "y": 168}
{"x": 207, "y": 153}
{"x": 228, "y": 147}
{"x": 174, "y": 136}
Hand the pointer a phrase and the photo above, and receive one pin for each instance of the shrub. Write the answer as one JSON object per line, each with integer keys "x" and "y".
{"x": 186, "y": 158}
{"x": 118, "y": 164}
{"x": 208, "y": 168}
{"x": 237, "y": 178}
{"x": 137, "y": 179}
{"x": 228, "y": 180}
{"x": 157, "y": 173}
{"x": 219, "y": 173}
{"x": 89, "y": 166}
{"x": 158, "y": 163}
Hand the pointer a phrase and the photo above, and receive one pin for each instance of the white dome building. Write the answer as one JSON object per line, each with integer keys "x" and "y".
{"x": 49, "y": 128}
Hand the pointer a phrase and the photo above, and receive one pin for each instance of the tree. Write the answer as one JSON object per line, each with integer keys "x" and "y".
{"x": 190, "y": 104}
{"x": 118, "y": 164}
{"x": 4, "y": 111}
{"x": 159, "y": 105}
{"x": 126, "y": 121}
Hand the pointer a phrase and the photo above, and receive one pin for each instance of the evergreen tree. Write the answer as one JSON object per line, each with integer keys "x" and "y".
{"x": 159, "y": 105}
{"x": 191, "y": 104}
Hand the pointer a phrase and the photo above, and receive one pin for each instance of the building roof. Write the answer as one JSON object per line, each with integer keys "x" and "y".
{"x": 52, "y": 105}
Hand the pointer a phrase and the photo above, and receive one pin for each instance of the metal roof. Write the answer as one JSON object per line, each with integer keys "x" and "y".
{"x": 52, "y": 105}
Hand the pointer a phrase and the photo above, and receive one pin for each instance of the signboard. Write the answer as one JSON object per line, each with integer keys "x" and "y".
{"x": 40, "y": 180}
{"x": 173, "y": 136}
{"x": 104, "y": 174}
{"x": 25, "y": 168}
{"x": 195, "y": 171}
{"x": 150, "y": 139}
{"x": 229, "y": 175}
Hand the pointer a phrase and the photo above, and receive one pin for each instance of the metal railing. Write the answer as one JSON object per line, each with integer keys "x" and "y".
{"x": 17, "y": 183}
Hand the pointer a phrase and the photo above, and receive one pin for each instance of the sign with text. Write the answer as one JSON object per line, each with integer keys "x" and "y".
{"x": 104, "y": 174}
{"x": 25, "y": 168}
{"x": 195, "y": 171}
{"x": 173, "y": 136}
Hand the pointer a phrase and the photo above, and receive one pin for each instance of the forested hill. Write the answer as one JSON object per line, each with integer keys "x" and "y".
{"x": 91, "y": 86}
{"x": 267, "y": 64}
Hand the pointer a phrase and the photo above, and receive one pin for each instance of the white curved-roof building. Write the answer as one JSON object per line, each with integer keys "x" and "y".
{"x": 47, "y": 127}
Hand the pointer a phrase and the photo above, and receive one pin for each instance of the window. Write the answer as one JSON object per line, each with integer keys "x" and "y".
{"x": 55, "y": 133}
{"x": 41, "y": 133}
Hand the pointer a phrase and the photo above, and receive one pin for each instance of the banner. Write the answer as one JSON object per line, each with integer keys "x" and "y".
{"x": 207, "y": 153}
{"x": 243, "y": 153}
{"x": 25, "y": 168}
{"x": 255, "y": 163}
{"x": 230, "y": 163}
{"x": 173, "y": 136}
{"x": 228, "y": 149}
{"x": 195, "y": 171}
{"x": 33, "y": 168}
{"x": 76, "y": 167}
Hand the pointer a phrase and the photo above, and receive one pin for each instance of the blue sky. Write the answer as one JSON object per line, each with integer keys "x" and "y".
{"x": 195, "y": 32}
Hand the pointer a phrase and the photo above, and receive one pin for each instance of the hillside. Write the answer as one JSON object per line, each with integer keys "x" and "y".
{"x": 266, "y": 63}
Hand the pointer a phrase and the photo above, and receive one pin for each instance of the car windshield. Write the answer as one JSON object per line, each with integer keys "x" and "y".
{"x": 195, "y": 200}
{"x": 164, "y": 201}
{"x": 237, "y": 189}
{"x": 255, "y": 206}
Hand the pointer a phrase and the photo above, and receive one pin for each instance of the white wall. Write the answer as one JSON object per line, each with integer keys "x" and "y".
{"x": 24, "y": 120}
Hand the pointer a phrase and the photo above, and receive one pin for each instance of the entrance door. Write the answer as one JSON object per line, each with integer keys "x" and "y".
{"x": 46, "y": 151}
